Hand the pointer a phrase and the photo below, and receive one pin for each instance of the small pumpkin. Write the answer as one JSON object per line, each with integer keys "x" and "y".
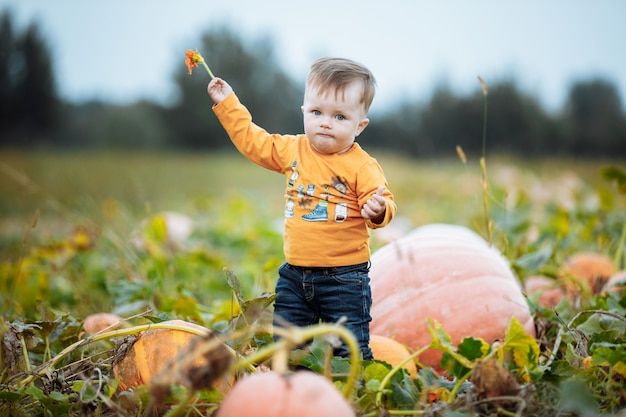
{"x": 160, "y": 353}
{"x": 97, "y": 322}
{"x": 586, "y": 268}
{"x": 449, "y": 274}
{"x": 393, "y": 352}
{"x": 549, "y": 290}
{"x": 272, "y": 394}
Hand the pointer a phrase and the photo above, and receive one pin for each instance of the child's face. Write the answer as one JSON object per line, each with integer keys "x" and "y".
{"x": 332, "y": 121}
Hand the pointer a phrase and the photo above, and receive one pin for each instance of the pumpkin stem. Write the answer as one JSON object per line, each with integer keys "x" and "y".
{"x": 280, "y": 360}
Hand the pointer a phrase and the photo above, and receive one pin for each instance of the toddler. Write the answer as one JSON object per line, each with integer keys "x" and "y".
{"x": 334, "y": 192}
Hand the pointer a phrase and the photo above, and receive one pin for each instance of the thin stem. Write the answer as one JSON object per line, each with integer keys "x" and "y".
{"x": 483, "y": 163}
{"x": 207, "y": 69}
{"x": 458, "y": 385}
{"x": 483, "y": 167}
{"x": 568, "y": 327}
{"x": 280, "y": 360}
{"x": 484, "y": 124}
{"x": 25, "y": 354}
{"x": 391, "y": 373}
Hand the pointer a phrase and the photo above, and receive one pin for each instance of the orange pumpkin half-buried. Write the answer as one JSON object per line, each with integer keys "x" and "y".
{"x": 175, "y": 356}
{"x": 449, "y": 274}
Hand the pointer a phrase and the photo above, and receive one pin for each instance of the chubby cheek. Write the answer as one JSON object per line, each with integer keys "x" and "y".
{"x": 308, "y": 126}
{"x": 350, "y": 132}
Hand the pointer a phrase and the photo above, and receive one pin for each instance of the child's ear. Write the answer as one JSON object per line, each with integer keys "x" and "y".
{"x": 362, "y": 125}
{"x": 302, "y": 108}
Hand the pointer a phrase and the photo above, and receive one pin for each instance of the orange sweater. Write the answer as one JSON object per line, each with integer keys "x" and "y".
{"x": 323, "y": 193}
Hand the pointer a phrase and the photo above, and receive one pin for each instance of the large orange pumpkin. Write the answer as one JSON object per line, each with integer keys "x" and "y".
{"x": 270, "y": 394}
{"x": 449, "y": 274}
{"x": 157, "y": 351}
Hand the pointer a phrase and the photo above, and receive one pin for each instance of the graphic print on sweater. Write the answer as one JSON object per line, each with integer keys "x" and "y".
{"x": 304, "y": 199}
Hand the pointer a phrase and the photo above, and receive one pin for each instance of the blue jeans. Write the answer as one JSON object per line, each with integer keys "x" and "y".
{"x": 307, "y": 295}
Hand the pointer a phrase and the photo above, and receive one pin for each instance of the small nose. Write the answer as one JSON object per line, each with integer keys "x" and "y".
{"x": 325, "y": 121}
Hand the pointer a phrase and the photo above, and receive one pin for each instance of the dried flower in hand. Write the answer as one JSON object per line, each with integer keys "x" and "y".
{"x": 191, "y": 60}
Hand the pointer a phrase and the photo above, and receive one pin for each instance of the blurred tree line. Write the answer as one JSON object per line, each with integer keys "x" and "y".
{"x": 592, "y": 122}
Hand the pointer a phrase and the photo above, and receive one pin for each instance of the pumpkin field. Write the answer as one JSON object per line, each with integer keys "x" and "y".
{"x": 142, "y": 284}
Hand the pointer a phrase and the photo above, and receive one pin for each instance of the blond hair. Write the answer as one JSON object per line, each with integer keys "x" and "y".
{"x": 338, "y": 73}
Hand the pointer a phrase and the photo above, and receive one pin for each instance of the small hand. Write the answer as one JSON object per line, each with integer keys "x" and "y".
{"x": 218, "y": 90}
{"x": 374, "y": 208}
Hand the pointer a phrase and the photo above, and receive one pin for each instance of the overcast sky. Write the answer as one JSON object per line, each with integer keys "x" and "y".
{"x": 124, "y": 50}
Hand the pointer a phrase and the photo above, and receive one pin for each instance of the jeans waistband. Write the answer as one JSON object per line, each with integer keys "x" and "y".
{"x": 330, "y": 269}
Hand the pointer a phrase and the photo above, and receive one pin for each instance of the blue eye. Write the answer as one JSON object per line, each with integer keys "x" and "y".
{"x": 317, "y": 112}
{"x": 340, "y": 117}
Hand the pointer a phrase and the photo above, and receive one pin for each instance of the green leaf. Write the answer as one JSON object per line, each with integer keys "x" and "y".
{"x": 473, "y": 349}
{"x": 610, "y": 354}
{"x": 11, "y": 396}
{"x": 255, "y": 306}
{"x": 469, "y": 348}
{"x": 375, "y": 370}
{"x": 34, "y": 392}
{"x": 533, "y": 261}
{"x": 340, "y": 366}
{"x": 316, "y": 359}
{"x": 576, "y": 397}
{"x": 600, "y": 327}
{"x": 235, "y": 285}
{"x": 442, "y": 341}
{"x": 404, "y": 393}
{"x": 612, "y": 173}
{"x": 372, "y": 385}
{"x": 252, "y": 310}
{"x": 523, "y": 347}
{"x": 60, "y": 397}
{"x": 85, "y": 391}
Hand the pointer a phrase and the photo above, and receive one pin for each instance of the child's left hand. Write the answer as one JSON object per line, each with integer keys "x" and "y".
{"x": 218, "y": 90}
{"x": 374, "y": 208}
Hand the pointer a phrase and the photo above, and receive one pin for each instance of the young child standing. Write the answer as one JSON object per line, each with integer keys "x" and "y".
{"x": 334, "y": 192}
